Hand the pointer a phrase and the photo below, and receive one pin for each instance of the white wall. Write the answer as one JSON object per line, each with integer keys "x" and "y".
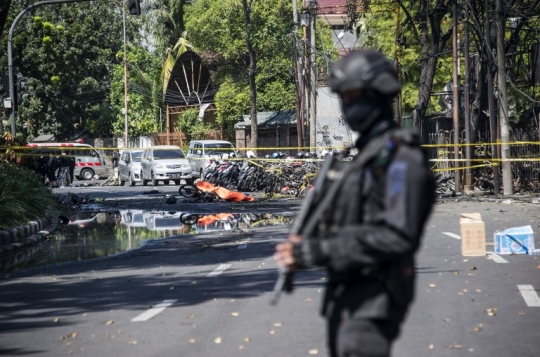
{"x": 332, "y": 129}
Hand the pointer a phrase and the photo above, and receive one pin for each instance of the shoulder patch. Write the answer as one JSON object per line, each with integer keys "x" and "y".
{"x": 396, "y": 176}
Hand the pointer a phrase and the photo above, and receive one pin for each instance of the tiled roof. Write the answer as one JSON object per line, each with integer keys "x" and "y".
{"x": 332, "y": 6}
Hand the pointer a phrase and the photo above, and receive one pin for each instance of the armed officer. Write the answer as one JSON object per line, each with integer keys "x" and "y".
{"x": 368, "y": 236}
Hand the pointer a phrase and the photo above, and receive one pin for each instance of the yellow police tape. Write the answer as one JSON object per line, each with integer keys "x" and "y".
{"x": 446, "y": 145}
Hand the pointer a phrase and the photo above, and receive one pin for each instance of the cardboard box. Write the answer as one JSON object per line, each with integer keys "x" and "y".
{"x": 518, "y": 240}
{"x": 473, "y": 235}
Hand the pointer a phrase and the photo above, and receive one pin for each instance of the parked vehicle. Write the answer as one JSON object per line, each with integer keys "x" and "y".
{"x": 201, "y": 152}
{"x": 129, "y": 167}
{"x": 88, "y": 161}
{"x": 165, "y": 163}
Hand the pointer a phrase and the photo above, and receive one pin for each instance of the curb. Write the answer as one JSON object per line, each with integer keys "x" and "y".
{"x": 25, "y": 235}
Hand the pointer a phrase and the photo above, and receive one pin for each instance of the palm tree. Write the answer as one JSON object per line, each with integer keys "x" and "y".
{"x": 165, "y": 21}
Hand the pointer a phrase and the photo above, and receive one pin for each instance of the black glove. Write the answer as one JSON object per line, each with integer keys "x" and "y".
{"x": 309, "y": 253}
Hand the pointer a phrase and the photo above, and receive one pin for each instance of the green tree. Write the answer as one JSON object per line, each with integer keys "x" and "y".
{"x": 165, "y": 21}
{"x": 378, "y": 31}
{"x": 144, "y": 90}
{"x": 67, "y": 53}
{"x": 189, "y": 123}
{"x": 218, "y": 28}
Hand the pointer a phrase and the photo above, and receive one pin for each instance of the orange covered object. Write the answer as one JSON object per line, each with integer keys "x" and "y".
{"x": 222, "y": 192}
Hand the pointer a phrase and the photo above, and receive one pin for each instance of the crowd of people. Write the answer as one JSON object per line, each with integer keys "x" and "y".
{"x": 56, "y": 170}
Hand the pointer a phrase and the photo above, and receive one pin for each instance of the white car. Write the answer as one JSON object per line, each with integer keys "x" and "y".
{"x": 202, "y": 151}
{"x": 129, "y": 167}
{"x": 165, "y": 163}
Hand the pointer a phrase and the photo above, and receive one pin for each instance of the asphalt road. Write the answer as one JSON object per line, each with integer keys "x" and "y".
{"x": 207, "y": 295}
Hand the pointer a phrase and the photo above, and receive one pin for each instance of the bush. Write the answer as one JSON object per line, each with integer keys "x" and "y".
{"x": 23, "y": 197}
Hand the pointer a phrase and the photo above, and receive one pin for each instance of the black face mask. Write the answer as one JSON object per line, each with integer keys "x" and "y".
{"x": 362, "y": 112}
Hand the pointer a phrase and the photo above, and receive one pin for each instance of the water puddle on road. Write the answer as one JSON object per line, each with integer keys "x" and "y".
{"x": 91, "y": 235}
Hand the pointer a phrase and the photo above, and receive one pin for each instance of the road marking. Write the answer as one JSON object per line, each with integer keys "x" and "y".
{"x": 220, "y": 269}
{"x": 530, "y": 295}
{"x": 496, "y": 258}
{"x": 148, "y": 314}
{"x": 452, "y": 235}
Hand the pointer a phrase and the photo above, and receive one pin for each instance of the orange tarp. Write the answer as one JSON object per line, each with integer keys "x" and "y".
{"x": 206, "y": 220}
{"x": 222, "y": 192}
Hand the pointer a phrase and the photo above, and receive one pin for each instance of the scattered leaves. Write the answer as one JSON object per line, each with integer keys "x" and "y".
{"x": 277, "y": 324}
{"x": 247, "y": 339}
{"x": 272, "y": 332}
{"x": 110, "y": 322}
{"x": 235, "y": 314}
{"x": 478, "y": 328}
{"x": 132, "y": 343}
{"x": 56, "y": 319}
{"x": 432, "y": 285}
{"x": 313, "y": 352}
{"x": 491, "y": 311}
{"x": 473, "y": 268}
{"x": 521, "y": 313}
{"x": 217, "y": 340}
{"x": 241, "y": 347}
{"x": 307, "y": 299}
{"x": 190, "y": 316}
{"x": 478, "y": 290}
{"x": 191, "y": 340}
{"x": 431, "y": 346}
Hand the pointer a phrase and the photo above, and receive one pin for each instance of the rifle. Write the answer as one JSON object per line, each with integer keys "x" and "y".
{"x": 315, "y": 205}
{"x": 285, "y": 277}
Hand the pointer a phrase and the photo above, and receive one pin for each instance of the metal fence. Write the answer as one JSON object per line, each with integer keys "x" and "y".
{"x": 524, "y": 151}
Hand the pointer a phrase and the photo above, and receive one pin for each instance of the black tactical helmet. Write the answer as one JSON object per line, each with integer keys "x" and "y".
{"x": 365, "y": 69}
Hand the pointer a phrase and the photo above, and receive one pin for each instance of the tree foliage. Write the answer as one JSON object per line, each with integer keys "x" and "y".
{"x": 191, "y": 125}
{"x": 218, "y": 28}
{"x": 68, "y": 54}
{"x": 143, "y": 90}
{"x": 379, "y": 32}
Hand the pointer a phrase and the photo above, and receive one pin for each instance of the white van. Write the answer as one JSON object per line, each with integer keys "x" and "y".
{"x": 201, "y": 151}
{"x": 88, "y": 162}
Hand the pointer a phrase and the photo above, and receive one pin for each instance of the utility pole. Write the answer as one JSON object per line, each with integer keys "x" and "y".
{"x": 312, "y": 81}
{"x": 491, "y": 100}
{"x": 297, "y": 78}
{"x": 125, "y": 79}
{"x": 508, "y": 188}
{"x": 399, "y": 39}
{"x": 467, "y": 113}
{"x": 456, "y": 104}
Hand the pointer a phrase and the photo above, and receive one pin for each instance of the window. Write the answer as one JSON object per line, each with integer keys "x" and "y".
{"x": 164, "y": 154}
{"x": 136, "y": 156}
{"x": 218, "y": 149}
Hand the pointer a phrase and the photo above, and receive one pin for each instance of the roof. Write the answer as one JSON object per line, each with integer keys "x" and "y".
{"x": 269, "y": 119}
{"x": 44, "y": 138}
{"x": 332, "y": 6}
{"x": 189, "y": 82}
{"x": 211, "y": 141}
